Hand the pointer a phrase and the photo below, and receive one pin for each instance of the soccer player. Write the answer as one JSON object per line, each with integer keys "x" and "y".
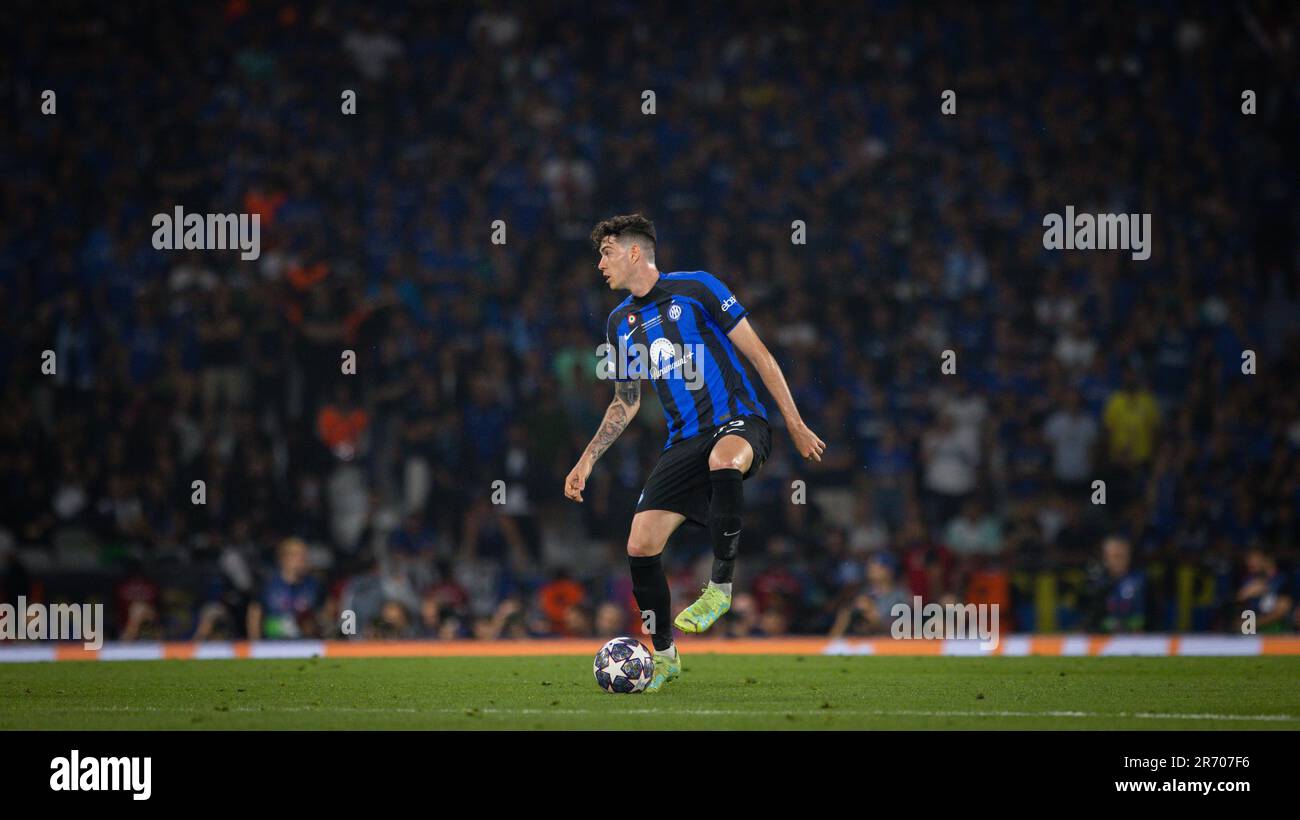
{"x": 682, "y": 330}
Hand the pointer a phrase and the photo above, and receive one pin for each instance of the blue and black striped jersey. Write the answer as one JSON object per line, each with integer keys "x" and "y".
{"x": 676, "y": 336}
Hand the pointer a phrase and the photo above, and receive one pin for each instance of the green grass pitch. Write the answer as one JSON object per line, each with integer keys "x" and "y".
{"x": 716, "y": 692}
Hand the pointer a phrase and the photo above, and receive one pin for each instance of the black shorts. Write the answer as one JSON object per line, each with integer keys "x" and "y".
{"x": 680, "y": 481}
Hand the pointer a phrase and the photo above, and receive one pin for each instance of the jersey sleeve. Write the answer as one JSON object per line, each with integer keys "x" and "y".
{"x": 722, "y": 306}
{"x": 613, "y": 365}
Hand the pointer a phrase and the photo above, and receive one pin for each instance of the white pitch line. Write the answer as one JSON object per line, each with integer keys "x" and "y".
{"x": 661, "y": 712}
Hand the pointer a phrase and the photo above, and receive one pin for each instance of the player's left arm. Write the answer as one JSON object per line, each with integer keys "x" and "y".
{"x": 748, "y": 343}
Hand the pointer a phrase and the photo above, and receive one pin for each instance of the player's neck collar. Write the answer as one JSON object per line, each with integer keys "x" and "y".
{"x": 649, "y": 294}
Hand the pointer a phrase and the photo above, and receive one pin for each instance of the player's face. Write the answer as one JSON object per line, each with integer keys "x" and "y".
{"x": 615, "y": 266}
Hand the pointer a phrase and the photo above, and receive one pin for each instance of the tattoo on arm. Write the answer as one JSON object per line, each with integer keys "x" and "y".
{"x": 627, "y": 396}
{"x": 610, "y": 429}
{"x": 628, "y": 392}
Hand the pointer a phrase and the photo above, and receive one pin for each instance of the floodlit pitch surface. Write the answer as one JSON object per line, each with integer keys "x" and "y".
{"x": 716, "y": 692}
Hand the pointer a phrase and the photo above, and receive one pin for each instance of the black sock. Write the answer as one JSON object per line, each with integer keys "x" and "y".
{"x": 724, "y": 522}
{"x": 650, "y": 586}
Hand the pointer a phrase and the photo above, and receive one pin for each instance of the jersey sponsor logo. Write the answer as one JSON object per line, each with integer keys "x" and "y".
{"x": 731, "y": 300}
{"x": 662, "y": 353}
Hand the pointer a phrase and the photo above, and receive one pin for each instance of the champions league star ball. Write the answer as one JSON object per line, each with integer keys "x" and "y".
{"x": 624, "y": 666}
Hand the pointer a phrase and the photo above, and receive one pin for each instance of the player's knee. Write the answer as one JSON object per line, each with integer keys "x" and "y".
{"x": 642, "y": 547}
{"x": 736, "y": 460}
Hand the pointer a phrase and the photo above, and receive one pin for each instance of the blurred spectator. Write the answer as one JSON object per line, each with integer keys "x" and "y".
{"x": 928, "y": 566}
{"x": 890, "y": 465}
{"x": 341, "y": 425}
{"x": 743, "y": 618}
{"x": 137, "y": 601}
{"x": 1120, "y": 591}
{"x": 613, "y": 619}
{"x": 286, "y": 607}
{"x": 868, "y": 534}
{"x": 221, "y": 333}
{"x": 577, "y": 622}
{"x": 1075, "y": 346}
{"x": 872, "y": 611}
{"x": 363, "y": 596}
{"x": 557, "y": 598}
{"x": 505, "y": 621}
{"x": 394, "y": 622}
{"x": 1072, "y": 433}
{"x": 951, "y": 460}
{"x": 1265, "y": 592}
{"x": 776, "y": 587}
{"x": 974, "y": 532}
{"x": 1131, "y": 418}
{"x": 224, "y": 611}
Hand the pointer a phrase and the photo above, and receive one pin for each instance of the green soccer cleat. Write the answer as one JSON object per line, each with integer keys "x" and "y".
{"x": 712, "y": 604}
{"x": 667, "y": 667}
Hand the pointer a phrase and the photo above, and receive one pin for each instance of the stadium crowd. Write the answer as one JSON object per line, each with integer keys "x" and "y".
{"x": 422, "y": 491}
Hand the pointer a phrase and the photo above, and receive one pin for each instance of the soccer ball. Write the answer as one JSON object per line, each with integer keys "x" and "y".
{"x": 624, "y": 666}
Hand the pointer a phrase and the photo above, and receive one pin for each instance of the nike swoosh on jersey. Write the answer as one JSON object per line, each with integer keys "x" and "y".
{"x": 655, "y": 321}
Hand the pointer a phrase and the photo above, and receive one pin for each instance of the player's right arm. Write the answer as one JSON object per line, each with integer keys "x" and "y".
{"x": 627, "y": 400}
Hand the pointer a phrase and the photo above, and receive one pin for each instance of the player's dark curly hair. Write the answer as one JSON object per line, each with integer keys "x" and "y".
{"x": 621, "y": 227}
